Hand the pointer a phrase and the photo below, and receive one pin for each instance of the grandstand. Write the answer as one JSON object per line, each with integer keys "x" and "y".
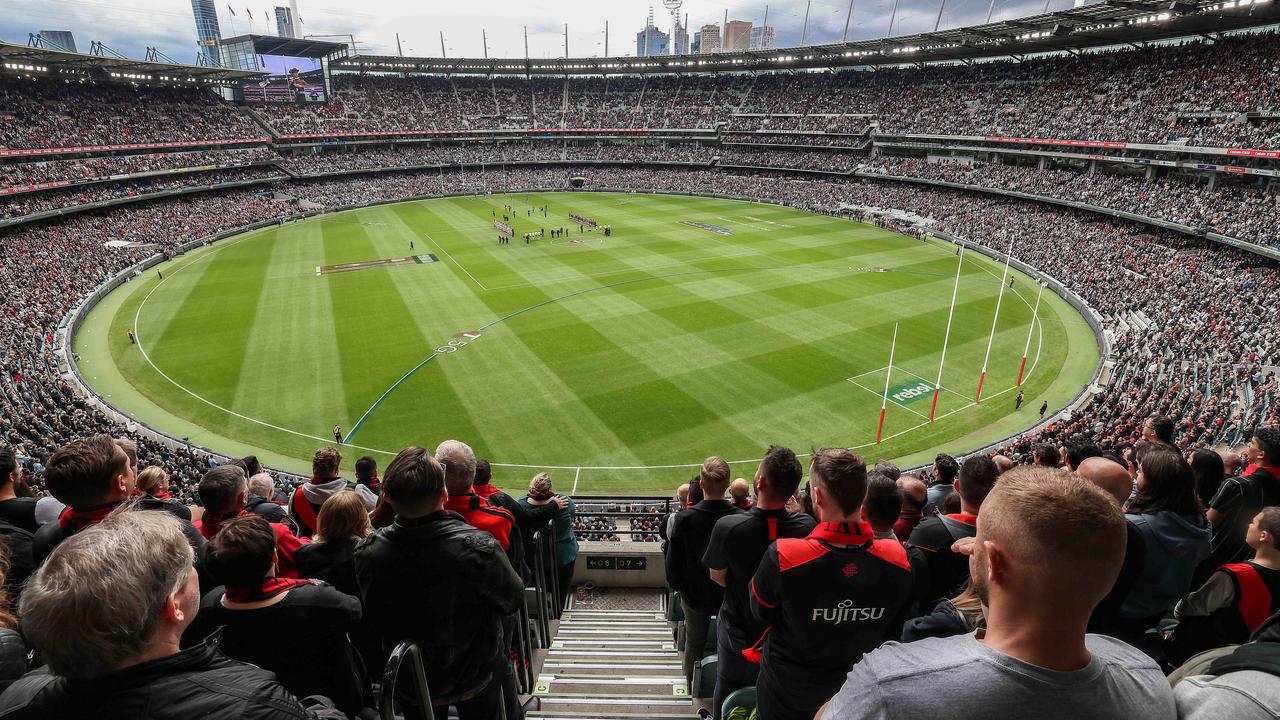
{"x": 1122, "y": 155}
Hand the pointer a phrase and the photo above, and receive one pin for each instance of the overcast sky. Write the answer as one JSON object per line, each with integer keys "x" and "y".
{"x": 130, "y": 26}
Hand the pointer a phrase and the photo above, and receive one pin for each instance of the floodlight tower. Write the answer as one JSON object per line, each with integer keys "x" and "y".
{"x": 674, "y": 7}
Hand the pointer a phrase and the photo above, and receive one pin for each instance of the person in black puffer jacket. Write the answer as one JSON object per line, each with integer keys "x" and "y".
{"x": 107, "y": 611}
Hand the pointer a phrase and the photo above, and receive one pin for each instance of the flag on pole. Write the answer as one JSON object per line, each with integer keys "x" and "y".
{"x": 231, "y": 10}
{"x": 248, "y": 12}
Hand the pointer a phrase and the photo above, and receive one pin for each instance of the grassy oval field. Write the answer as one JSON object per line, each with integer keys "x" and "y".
{"x": 700, "y": 326}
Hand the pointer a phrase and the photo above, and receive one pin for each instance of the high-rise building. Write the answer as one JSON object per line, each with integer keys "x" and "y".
{"x": 696, "y": 45}
{"x": 284, "y": 22}
{"x": 651, "y": 40}
{"x": 737, "y": 35}
{"x": 62, "y": 39}
{"x": 710, "y": 39}
{"x": 207, "y": 31}
{"x": 762, "y": 38}
{"x": 679, "y": 39}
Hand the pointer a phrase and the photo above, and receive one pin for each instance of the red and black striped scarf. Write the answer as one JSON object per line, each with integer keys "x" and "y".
{"x": 269, "y": 588}
{"x": 73, "y": 520}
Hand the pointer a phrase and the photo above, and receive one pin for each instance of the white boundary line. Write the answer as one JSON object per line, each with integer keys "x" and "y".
{"x": 877, "y": 394}
{"x": 578, "y": 468}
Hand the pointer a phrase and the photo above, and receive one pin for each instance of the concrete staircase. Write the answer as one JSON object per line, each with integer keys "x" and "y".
{"x": 613, "y": 658}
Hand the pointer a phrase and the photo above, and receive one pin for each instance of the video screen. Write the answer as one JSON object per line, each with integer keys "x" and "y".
{"x": 291, "y": 79}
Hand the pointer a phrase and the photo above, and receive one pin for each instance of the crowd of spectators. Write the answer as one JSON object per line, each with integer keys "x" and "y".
{"x": 851, "y": 142}
{"x": 825, "y": 161}
{"x": 1075, "y": 552}
{"x": 1157, "y": 94}
{"x": 413, "y": 155}
{"x": 1251, "y": 214}
{"x": 17, "y": 175}
{"x": 74, "y": 113}
{"x": 17, "y": 205}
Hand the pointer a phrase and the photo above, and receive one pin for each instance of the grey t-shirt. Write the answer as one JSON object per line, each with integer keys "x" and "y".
{"x": 959, "y": 678}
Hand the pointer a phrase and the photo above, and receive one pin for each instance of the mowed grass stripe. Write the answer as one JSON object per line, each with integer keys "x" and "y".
{"x": 664, "y": 367}
{"x": 495, "y": 374}
{"x": 229, "y": 285}
{"x": 290, "y": 336}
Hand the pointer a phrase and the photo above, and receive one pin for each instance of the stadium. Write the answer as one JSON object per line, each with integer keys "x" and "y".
{"x": 876, "y": 377}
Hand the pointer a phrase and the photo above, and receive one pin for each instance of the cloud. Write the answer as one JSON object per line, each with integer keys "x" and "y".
{"x": 130, "y": 26}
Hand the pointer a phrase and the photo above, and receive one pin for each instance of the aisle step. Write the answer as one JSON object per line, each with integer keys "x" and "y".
{"x": 613, "y": 665}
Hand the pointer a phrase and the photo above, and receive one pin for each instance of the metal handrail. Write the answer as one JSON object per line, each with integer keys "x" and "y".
{"x": 409, "y": 650}
{"x": 540, "y": 584}
{"x": 554, "y": 604}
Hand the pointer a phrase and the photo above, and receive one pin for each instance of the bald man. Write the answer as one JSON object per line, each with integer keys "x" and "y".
{"x": 740, "y": 494}
{"x": 914, "y": 496}
{"x": 1230, "y": 463}
{"x": 1039, "y": 575}
{"x": 1004, "y": 463}
{"x": 1108, "y": 475}
{"x": 1113, "y": 478}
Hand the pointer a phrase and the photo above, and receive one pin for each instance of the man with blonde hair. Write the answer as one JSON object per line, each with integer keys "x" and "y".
{"x": 107, "y": 612}
{"x": 690, "y": 533}
{"x": 1048, "y": 548}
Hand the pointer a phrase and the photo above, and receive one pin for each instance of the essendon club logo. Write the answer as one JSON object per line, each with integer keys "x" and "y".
{"x": 846, "y": 612}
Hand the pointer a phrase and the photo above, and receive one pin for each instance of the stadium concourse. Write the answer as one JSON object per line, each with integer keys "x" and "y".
{"x": 1141, "y": 179}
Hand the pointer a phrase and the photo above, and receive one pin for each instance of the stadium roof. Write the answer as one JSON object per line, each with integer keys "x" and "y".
{"x": 293, "y": 47}
{"x": 41, "y": 61}
{"x": 1110, "y": 22}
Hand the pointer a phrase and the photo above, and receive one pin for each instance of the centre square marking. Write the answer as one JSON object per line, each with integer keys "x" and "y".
{"x": 717, "y": 229}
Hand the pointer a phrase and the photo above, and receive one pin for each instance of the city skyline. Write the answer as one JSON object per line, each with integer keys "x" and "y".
{"x": 168, "y": 25}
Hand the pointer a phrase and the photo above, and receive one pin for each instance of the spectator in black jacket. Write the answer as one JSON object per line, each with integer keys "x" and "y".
{"x": 1114, "y": 479}
{"x": 16, "y": 504}
{"x": 1239, "y": 499}
{"x": 107, "y": 612}
{"x": 529, "y": 518}
{"x": 331, "y": 557}
{"x": 13, "y": 649}
{"x": 153, "y": 482}
{"x": 342, "y": 523}
{"x": 949, "y": 570}
{"x": 431, "y": 578}
{"x": 700, "y": 597}
{"x": 737, "y": 543}
{"x": 256, "y": 609}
